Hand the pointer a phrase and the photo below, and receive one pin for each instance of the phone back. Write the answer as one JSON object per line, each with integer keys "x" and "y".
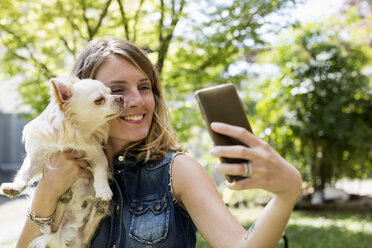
{"x": 222, "y": 104}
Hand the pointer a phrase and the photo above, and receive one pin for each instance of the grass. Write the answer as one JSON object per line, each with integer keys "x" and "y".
{"x": 317, "y": 229}
{"x": 310, "y": 229}
{"x": 330, "y": 229}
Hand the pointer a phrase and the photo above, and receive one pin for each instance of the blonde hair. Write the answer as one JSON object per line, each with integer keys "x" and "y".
{"x": 161, "y": 138}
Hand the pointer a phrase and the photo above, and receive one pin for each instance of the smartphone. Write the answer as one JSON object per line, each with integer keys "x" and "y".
{"x": 222, "y": 104}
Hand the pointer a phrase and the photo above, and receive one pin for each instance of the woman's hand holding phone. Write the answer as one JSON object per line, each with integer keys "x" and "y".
{"x": 221, "y": 103}
{"x": 239, "y": 150}
{"x": 269, "y": 171}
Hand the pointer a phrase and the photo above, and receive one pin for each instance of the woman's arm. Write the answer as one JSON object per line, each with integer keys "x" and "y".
{"x": 197, "y": 192}
{"x": 64, "y": 170}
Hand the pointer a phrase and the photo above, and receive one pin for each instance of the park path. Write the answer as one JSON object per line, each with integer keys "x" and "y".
{"x": 12, "y": 218}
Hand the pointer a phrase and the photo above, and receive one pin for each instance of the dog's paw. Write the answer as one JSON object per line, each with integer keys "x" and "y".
{"x": 104, "y": 194}
{"x": 102, "y": 207}
{"x": 102, "y": 189}
{"x": 12, "y": 189}
{"x": 66, "y": 197}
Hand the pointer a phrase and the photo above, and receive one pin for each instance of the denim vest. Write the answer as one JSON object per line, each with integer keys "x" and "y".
{"x": 144, "y": 211}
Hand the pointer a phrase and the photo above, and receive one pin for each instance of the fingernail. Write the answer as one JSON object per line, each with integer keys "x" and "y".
{"x": 228, "y": 184}
{"x": 214, "y": 124}
{"x": 212, "y": 151}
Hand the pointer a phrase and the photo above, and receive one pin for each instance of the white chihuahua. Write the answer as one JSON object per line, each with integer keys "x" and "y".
{"x": 75, "y": 119}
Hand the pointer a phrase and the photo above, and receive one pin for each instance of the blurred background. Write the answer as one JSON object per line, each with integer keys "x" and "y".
{"x": 303, "y": 69}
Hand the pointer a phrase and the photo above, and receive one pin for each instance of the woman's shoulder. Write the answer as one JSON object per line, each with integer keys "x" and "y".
{"x": 184, "y": 163}
{"x": 188, "y": 175}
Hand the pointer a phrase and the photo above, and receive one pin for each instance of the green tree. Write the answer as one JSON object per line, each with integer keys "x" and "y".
{"x": 322, "y": 102}
{"x": 42, "y": 39}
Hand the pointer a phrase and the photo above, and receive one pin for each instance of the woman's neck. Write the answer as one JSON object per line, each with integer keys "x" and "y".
{"x": 113, "y": 147}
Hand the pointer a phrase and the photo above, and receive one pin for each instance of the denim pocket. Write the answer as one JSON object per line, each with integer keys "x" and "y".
{"x": 150, "y": 219}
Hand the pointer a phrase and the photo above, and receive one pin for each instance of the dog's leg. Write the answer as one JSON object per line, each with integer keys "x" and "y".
{"x": 100, "y": 174}
{"x": 29, "y": 169}
{"x": 63, "y": 200}
{"x": 58, "y": 217}
{"x": 100, "y": 209}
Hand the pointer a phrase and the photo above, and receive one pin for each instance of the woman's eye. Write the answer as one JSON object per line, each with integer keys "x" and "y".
{"x": 116, "y": 91}
{"x": 99, "y": 101}
{"x": 145, "y": 87}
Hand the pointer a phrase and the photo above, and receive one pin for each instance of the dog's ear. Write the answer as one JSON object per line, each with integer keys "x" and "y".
{"x": 61, "y": 90}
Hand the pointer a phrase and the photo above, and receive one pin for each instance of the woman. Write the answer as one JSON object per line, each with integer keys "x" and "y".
{"x": 160, "y": 194}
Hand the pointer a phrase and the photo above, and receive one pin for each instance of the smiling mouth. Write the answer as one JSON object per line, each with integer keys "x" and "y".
{"x": 112, "y": 116}
{"x": 133, "y": 117}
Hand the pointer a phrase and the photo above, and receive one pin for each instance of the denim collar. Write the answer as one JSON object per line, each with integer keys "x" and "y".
{"x": 130, "y": 160}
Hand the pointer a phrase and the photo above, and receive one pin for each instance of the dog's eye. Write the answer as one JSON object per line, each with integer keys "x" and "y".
{"x": 99, "y": 100}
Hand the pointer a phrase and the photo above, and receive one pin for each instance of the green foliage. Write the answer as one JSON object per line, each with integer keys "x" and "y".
{"x": 322, "y": 101}
{"x": 246, "y": 198}
{"x": 326, "y": 128}
{"x": 43, "y": 38}
{"x": 203, "y": 56}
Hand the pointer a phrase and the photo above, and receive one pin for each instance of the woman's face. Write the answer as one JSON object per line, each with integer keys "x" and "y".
{"x": 127, "y": 80}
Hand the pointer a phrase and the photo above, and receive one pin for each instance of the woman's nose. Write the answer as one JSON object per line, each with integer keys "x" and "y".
{"x": 133, "y": 99}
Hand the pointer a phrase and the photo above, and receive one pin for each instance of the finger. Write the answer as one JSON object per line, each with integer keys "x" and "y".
{"x": 230, "y": 169}
{"x": 239, "y": 133}
{"x": 233, "y": 152}
{"x": 82, "y": 164}
{"x": 85, "y": 173}
{"x": 76, "y": 154}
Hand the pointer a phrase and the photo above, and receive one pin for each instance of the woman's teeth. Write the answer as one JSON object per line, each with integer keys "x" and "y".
{"x": 133, "y": 118}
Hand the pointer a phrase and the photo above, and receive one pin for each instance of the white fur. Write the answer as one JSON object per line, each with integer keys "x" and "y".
{"x": 72, "y": 121}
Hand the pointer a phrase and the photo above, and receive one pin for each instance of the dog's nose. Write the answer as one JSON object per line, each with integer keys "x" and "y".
{"x": 119, "y": 99}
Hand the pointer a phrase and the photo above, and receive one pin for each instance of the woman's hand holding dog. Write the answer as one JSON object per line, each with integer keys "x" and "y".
{"x": 64, "y": 169}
